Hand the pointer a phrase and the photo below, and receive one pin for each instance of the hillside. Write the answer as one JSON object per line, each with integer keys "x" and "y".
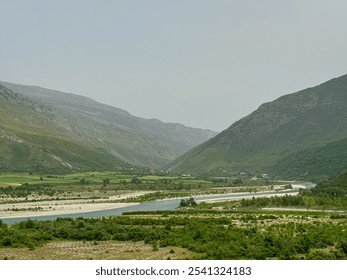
{"x": 282, "y": 138}
{"x": 135, "y": 140}
{"x": 31, "y": 140}
{"x": 317, "y": 162}
{"x": 335, "y": 187}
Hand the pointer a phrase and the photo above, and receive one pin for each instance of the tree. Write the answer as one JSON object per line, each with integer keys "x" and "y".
{"x": 135, "y": 180}
{"x": 105, "y": 182}
{"x": 188, "y": 202}
{"x": 83, "y": 181}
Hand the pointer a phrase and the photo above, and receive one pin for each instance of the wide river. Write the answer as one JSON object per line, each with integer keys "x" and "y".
{"x": 165, "y": 204}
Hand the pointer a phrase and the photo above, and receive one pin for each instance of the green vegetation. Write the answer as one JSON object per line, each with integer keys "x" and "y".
{"x": 189, "y": 202}
{"x": 210, "y": 235}
{"x": 303, "y": 201}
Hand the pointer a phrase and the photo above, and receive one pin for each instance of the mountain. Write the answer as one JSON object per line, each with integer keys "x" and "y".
{"x": 299, "y": 135}
{"x": 133, "y": 140}
{"x": 31, "y": 140}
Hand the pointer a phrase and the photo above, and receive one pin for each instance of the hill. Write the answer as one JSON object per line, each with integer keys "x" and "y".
{"x": 297, "y": 135}
{"x": 135, "y": 140}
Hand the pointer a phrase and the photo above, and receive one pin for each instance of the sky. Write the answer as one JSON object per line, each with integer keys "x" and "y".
{"x": 204, "y": 64}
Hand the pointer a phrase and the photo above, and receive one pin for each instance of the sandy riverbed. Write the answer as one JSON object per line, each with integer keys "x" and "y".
{"x": 61, "y": 207}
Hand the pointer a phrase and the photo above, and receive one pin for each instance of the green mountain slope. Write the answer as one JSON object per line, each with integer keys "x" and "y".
{"x": 31, "y": 140}
{"x": 308, "y": 121}
{"x": 317, "y": 162}
{"x": 335, "y": 187}
{"x": 138, "y": 141}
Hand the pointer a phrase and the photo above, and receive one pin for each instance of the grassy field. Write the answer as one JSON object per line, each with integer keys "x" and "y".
{"x": 16, "y": 179}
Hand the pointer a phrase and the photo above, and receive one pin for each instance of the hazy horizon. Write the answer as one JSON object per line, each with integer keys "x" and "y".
{"x": 203, "y": 64}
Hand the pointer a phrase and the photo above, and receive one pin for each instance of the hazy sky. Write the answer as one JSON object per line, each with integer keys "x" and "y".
{"x": 200, "y": 63}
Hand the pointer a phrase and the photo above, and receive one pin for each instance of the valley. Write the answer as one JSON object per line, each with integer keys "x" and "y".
{"x": 84, "y": 180}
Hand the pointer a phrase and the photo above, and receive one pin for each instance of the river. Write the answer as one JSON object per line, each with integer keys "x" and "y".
{"x": 165, "y": 204}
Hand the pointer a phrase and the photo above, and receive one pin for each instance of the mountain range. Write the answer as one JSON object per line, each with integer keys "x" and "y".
{"x": 299, "y": 135}
{"x": 49, "y": 130}
{"x": 302, "y": 135}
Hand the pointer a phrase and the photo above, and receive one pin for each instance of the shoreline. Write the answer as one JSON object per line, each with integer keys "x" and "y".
{"x": 61, "y": 209}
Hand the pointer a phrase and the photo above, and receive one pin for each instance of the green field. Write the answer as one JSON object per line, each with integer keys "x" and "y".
{"x": 14, "y": 179}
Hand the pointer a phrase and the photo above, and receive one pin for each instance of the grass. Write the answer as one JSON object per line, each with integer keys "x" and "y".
{"x": 17, "y": 179}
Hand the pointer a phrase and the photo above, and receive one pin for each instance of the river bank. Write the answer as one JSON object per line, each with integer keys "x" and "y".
{"x": 64, "y": 207}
